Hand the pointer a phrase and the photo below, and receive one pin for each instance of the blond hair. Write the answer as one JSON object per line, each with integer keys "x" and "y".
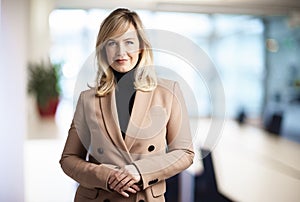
{"x": 118, "y": 22}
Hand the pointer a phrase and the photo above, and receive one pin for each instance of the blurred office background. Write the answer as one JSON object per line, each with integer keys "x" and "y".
{"x": 254, "y": 46}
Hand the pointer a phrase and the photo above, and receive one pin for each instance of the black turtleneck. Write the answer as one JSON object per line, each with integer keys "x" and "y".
{"x": 125, "y": 94}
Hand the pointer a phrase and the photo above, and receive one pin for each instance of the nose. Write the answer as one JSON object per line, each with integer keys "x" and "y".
{"x": 121, "y": 50}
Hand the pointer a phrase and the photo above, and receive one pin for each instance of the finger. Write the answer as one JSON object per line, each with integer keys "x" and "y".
{"x": 122, "y": 185}
{"x": 134, "y": 176}
{"x": 112, "y": 179}
{"x": 112, "y": 176}
{"x": 117, "y": 180}
{"x": 123, "y": 193}
{"x": 130, "y": 175}
{"x": 131, "y": 190}
{"x": 135, "y": 187}
{"x": 128, "y": 185}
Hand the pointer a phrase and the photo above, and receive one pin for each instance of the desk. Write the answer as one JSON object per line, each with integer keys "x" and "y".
{"x": 253, "y": 165}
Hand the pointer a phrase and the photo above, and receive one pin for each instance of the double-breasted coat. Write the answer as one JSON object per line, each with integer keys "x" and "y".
{"x": 158, "y": 142}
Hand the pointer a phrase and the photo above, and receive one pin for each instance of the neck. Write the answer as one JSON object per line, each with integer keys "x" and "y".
{"x": 119, "y": 75}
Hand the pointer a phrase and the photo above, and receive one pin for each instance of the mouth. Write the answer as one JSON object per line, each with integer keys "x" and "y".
{"x": 121, "y": 60}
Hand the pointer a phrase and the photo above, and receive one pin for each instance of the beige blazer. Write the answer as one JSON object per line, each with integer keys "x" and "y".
{"x": 158, "y": 142}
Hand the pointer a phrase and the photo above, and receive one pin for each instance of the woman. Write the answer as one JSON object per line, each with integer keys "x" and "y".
{"x": 131, "y": 132}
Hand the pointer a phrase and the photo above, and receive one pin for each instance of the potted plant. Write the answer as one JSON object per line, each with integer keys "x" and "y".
{"x": 44, "y": 85}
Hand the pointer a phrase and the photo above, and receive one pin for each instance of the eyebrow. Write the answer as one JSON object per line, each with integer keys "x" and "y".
{"x": 129, "y": 38}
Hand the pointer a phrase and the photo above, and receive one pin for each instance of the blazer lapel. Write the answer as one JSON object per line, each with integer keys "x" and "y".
{"x": 139, "y": 113}
{"x": 110, "y": 117}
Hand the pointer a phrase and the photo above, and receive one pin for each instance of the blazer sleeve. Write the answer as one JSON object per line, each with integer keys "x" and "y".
{"x": 180, "y": 153}
{"x": 73, "y": 160}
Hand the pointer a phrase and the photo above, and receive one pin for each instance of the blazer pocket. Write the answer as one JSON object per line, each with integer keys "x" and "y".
{"x": 87, "y": 193}
{"x": 158, "y": 189}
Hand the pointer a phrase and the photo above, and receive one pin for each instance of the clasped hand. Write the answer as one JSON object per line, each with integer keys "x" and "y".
{"x": 124, "y": 180}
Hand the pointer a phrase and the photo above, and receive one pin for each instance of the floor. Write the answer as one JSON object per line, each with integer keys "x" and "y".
{"x": 44, "y": 179}
{"x": 250, "y": 165}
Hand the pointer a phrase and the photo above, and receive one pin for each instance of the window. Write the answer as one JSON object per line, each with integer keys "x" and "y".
{"x": 233, "y": 42}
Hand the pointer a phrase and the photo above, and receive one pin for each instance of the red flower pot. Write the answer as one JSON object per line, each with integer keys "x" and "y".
{"x": 49, "y": 109}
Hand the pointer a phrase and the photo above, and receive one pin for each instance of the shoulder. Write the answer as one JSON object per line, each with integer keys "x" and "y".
{"x": 90, "y": 91}
{"x": 87, "y": 94}
{"x": 169, "y": 85}
{"x": 166, "y": 88}
{"x": 166, "y": 84}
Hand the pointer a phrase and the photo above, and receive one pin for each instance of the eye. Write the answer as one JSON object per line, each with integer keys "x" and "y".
{"x": 129, "y": 42}
{"x": 111, "y": 43}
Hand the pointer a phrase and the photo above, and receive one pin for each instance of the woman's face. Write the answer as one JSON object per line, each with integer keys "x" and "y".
{"x": 123, "y": 51}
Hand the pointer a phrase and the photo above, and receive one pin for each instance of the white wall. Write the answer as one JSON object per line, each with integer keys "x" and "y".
{"x": 13, "y": 53}
{"x": 39, "y": 37}
{"x": 258, "y": 7}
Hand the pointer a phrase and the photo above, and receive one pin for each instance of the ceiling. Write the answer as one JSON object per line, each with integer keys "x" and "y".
{"x": 256, "y": 7}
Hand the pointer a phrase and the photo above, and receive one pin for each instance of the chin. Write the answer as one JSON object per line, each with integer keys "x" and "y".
{"x": 123, "y": 70}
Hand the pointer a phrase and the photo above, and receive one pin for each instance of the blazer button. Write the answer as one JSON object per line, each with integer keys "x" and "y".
{"x": 151, "y": 148}
{"x": 100, "y": 150}
{"x": 153, "y": 182}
